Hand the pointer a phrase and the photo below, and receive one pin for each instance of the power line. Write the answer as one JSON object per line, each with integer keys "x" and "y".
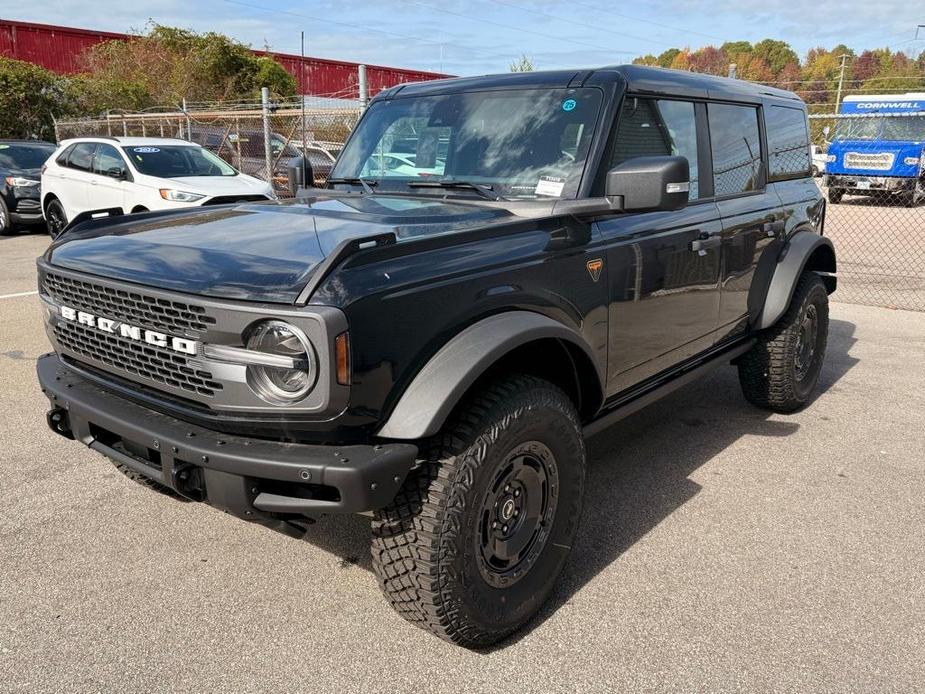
{"x": 572, "y": 21}
{"x": 514, "y": 28}
{"x": 648, "y": 21}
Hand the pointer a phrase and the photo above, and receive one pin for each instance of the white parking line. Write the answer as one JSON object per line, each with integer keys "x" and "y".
{"x": 13, "y": 296}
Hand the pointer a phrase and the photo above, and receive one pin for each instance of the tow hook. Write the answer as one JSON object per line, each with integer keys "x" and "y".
{"x": 59, "y": 422}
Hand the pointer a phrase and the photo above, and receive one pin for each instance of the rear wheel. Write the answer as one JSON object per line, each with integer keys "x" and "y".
{"x": 780, "y": 372}
{"x": 55, "y": 218}
{"x": 6, "y": 224}
{"x": 473, "y": 543}
{"x": 835, "y": 195}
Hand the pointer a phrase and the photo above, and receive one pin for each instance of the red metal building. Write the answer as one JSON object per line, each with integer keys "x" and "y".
{"x": 59, "y": 48}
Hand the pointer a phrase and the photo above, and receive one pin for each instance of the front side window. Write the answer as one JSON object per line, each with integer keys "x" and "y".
{"x": 81, "y": 156}
{"x": 736, "y": 147}
{"x": 658, "y": 127}
{"x": 107, "y": 158}
{"x": 788, "y": 142}
{"x": 521, "y": 143}
{"x": 176, "y": 161}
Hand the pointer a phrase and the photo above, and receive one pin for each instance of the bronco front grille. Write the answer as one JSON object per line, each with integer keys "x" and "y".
{"x": 877, "y": 161}
{"x": 140, "y": 359}
{"x": 176, "y": 317}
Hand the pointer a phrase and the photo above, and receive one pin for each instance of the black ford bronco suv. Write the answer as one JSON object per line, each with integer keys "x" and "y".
{"x": 430, "y": 341}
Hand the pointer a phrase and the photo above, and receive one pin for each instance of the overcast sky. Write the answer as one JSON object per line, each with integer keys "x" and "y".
{"x": 478, "y": 36}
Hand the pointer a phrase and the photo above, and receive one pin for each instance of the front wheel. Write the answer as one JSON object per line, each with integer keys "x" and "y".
{"x": 55, "y": 218}
{"x": 780, "y": 372}
{"x": 473, "y": 542}
{"x": 6, "y": 224}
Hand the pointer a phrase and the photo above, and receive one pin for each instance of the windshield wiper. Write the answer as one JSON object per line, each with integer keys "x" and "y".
{"x": 367, "y": 185}
{"x": 484, "y": 190}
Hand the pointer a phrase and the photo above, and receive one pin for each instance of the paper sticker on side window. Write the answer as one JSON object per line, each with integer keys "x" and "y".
{"x": 146, "y": 150}
{"x": 549, "y": 185}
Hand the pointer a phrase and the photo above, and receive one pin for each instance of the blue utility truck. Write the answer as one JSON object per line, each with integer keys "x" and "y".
{"x": 877, "y": 148}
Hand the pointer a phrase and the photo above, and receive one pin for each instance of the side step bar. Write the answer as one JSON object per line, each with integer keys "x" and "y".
{"x": 636, "y": 402}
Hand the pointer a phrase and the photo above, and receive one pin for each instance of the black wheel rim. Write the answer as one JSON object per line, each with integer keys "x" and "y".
{"x": 805, "y": 352}
{"x": 55, "y": 221}
{"x": 517, "y": 513}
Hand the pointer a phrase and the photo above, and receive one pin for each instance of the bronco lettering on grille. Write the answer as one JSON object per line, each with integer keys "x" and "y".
{"x": 131, "y": 332}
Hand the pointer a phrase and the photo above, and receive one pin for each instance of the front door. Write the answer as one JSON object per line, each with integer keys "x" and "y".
{"x": 663, "y": 267}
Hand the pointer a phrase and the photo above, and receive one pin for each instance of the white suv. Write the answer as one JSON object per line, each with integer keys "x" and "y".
{"x": 138, "y": 174}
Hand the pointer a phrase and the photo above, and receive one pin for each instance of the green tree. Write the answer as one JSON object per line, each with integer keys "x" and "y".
{"x": 667, "y": 58}
{"x": 167, "y": 64}
{"x": 31, "y": 98}
{"x": 776, "y": 54}
{"x": 522, "y": 64}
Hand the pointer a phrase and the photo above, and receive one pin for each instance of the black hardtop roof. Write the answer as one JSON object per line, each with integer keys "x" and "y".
{"x": 638, "y": 78}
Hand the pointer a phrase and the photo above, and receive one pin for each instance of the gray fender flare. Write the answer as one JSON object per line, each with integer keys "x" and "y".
{"x": 786, "y": 274}
{"x": 442, "y": 382}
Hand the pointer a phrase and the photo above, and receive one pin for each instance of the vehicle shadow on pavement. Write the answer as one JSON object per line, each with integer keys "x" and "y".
{"x": 638, "y": 472}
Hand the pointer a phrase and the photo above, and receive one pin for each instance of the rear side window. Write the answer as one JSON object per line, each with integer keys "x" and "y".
{"x": 788, "y": 143}
{"x": 657, "y": 127}
{"x": 736, "y": 148}
{"x": 81, "y": 156}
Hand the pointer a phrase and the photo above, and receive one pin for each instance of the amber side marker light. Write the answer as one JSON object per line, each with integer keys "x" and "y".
{"x": 342, "y": 353}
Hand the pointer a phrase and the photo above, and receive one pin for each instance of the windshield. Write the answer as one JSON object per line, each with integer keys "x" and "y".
{"x": 891, "y": 128}
{"x": 520, "y": 143}
{"x": 176, "y": 161}
{"x": 24, "y": 156}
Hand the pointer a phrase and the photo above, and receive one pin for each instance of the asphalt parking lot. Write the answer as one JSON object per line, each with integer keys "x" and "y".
{"x": 721, "y": 549}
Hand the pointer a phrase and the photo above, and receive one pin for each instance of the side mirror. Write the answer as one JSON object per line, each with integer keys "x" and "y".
{"x": 649, "y": 183}
{"x": 300, "y": 174}
{"x": 116, "y": 172}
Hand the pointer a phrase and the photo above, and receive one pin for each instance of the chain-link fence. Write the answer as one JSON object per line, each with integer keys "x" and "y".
{"x": 239, "y": 133}
{"x": 872, "y": 171}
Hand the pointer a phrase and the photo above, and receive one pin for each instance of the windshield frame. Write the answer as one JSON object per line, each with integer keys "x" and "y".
{"x": 579, "y": 179}
{"x": 211, "y": 157}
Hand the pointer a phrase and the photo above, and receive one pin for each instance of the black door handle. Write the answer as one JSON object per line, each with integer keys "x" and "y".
{"x": 706, "y": 241}
{"x": 773, "y": 229}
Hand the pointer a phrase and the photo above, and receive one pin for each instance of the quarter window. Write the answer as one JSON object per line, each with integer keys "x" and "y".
{"x": 736, "y": 149}
{"x": 788, "y": 143}
{"x": 81, "y": 157}
{"x": 658, "y": 127}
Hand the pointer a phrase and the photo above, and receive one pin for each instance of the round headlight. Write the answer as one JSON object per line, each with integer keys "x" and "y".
{"x": 294, "y": 378}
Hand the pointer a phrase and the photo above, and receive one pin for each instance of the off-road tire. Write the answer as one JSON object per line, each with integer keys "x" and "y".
{"x": 426, "y": 545}
{"x": 769, "y": 372}
{"x": 835, "y": 195}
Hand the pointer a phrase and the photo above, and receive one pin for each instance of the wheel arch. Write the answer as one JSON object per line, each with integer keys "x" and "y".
{"x": 804, "y": 251}
{"x": 521, "y": 341}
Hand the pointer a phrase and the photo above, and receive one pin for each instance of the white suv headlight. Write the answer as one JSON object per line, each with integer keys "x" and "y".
{"x": 294, "y": 376}
{"x": 180, "y": 195}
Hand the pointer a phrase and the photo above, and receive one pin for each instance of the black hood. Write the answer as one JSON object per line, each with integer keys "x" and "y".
{"x": 256, "y": 252}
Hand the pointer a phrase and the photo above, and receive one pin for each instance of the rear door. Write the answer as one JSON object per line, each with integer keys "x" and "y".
{"x": 75, "y": 174}
{"x": 664, "y": 291}
{"x": 752, "y": 217}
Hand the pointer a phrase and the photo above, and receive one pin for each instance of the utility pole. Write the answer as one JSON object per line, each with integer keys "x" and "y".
{"x": 841, "y": 79}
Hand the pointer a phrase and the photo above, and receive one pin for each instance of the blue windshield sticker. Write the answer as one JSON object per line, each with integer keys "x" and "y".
{"x": 569, "y": 105}
{"x": 145, "y": 150}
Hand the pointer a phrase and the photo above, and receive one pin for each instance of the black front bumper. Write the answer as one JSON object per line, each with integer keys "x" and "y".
{"x": 252, "y": 478}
